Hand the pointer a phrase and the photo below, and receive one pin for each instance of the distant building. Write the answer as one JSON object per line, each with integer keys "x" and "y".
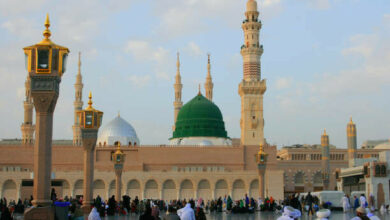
{"x": 370, "y": 144}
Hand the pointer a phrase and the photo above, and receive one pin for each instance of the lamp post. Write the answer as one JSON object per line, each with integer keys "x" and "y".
{"x": 90, "y": 120}
{"x": 45, "y": 64}
{"x": 118, "y": 160}
{"x": 261, "y": 160}
{"x": 325, "y": 160}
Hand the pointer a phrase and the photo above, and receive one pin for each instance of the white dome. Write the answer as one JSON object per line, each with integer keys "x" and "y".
{"x": 117, "y": 130}
{"x": 383, "y": 146}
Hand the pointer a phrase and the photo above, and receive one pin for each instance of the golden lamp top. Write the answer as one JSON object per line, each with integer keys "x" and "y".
{"x": 46, "y": 41}
{"x": 118, "y": 149}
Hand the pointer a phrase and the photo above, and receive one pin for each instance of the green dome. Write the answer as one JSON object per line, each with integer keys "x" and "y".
{"x": 199, "y": 118}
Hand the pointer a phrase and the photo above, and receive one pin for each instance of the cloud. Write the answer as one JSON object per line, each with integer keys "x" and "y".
{"x": 371, "y": 55}
{"x": 161, "y": 59}
{"x": 283, "y": 83}
{"x": 143, "y": 51}
{"x": 139, "y": 81}
{"x": 8, "y": 8}
{"x": 178, "y": 18}
{"x": 319, "y": 4}
{"x": 193, "y": 49}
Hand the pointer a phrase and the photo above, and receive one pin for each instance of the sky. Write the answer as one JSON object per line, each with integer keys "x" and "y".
{"x": 324, "y": 61}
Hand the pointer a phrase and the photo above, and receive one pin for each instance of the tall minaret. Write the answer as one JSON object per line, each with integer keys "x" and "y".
{"x": 252, "y": 87}
{"x": 325, "y": 160}
{"x": 352, "y": 145}
{"x": 78, "y": 105}
{"x": 27, "y": 126}
{"x": 177, "y": 104}
{"x": 208, "y": 85}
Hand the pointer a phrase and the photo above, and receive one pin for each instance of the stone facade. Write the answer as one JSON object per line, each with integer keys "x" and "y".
{"x": 148, "y": 172}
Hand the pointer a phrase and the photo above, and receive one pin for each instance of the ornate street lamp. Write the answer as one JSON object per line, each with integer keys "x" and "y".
{"x": 261, "y": 160}
{"x": 90, "y": 120}
{"x": 118, "y": 160}
{"x": 45, "y": 64}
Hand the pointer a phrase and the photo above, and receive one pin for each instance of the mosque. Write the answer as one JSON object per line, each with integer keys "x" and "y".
{"x": 201, "y": 159}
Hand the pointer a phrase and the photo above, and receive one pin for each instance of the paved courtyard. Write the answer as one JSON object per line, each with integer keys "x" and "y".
{"x": 337, "y": 215}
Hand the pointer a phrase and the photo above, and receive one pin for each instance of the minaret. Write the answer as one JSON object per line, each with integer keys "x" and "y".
{"x": 27, "y": 126}
{"x": 177, "y": 104}
{"x": 325, "y": 160}
{"x": 78, "y": 105}
{"x": 352, "y": 145}
{"x": 208, "y": 85}
{"x": 252, "y": 87}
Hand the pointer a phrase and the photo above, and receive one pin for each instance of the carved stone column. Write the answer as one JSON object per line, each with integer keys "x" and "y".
{"x": 118, "y": 181}
{"x": 89, "y": 137}
{"x": 44, "y": 102}
{"x": 261, "y": 183}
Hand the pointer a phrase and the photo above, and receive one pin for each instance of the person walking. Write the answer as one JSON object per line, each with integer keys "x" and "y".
{"x": 186, "y": 213}
{"x": 172, "y": 214}
{"x": 309, "y": 202}
{"x": 363, "y": 201}
{"x": 356, "y": 203}
{"x": 345, "y": 203}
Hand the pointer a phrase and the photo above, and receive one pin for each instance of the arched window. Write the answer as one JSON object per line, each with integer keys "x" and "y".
{"x": 135, "y": 143}
{"x": 377, "y": 170}
{"x": 112, "y": 155}
{"x": 383, "y": 170}
{"x": 129, "y": 143}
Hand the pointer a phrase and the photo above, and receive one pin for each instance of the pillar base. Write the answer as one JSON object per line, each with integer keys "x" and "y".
{"x": 87, "y": 207}
{"x": 41, "y": 203}
{"x": 39, "y": 213}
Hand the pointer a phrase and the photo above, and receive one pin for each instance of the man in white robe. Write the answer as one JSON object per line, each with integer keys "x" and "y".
{"x": 363, "y": 201}
{"x": 345, "y": 203}
{"x": 94, "y": 215}
{"x": 186, "y": 213}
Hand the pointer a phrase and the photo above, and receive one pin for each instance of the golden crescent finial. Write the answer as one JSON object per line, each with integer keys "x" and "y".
{"x": 47, "y": 21}
{"x": 90, "y": 100}
{"x": 47, "y": 33}
{"x": 325, "y": 131}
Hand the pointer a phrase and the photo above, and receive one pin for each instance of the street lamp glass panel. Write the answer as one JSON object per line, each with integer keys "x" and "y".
{"x": 26, "y": 61}
{"x": 64, "y": 61}
{"x": 43, "y": 59}
{"x": 88, "y": 119}
{"x": 118, "y": 158}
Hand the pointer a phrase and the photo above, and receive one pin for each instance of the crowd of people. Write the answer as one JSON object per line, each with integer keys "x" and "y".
{"x": 146, "y": 209}
{"x": 196, "y": 209}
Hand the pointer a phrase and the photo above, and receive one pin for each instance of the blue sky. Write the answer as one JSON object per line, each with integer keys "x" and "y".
{"x": 324, "y": 61}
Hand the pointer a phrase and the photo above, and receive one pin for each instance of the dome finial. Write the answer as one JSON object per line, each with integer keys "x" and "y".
{"x": 199, "y": 92}
{"x": 325, "y": 132}
{"x": 350, "y": 120}
{"x": 119, "y": 114}
{"x": 47, "y": 33}
{"x": 90, "y": 100}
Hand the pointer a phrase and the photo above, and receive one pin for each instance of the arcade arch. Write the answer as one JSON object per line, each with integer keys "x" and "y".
{"x": 204, "y": 190}
{"x": 151, "y": 190}
{"x": 238, "y": 189}
{"x": 169, "y": 190}
{"x": 221, "y": 188}
{"x": 186, "y": 190}
{"x": 134, "y": 189}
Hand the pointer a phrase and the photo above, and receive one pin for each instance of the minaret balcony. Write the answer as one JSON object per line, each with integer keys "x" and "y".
{"x": 252, "y": 49}
{"x": 252, "y": 87}
{"x": 251, "y": 25}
